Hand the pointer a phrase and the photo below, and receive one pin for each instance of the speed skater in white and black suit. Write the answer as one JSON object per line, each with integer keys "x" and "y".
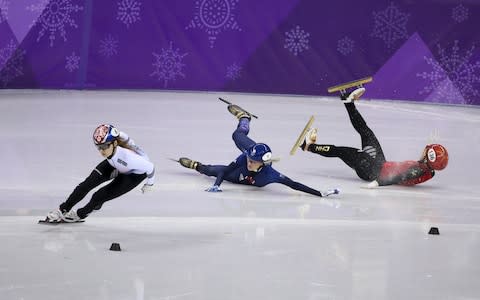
{"x": 125, "y": 164}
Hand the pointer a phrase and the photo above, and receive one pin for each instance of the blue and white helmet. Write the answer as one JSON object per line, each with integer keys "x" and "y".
{"x": 260, "y": 152}
{"x": 105, "y": 134}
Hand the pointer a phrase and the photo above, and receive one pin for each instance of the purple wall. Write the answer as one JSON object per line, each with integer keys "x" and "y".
{"x": 417, "y": 50}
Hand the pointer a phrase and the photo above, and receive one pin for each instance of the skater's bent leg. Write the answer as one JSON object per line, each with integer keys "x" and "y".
{"x": 122, "y": 184}
{"x": 240, "y": 135}
{"x": 99, "y": 175}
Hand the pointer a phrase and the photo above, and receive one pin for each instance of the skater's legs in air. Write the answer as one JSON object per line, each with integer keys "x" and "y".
{"x": 370, "y": 142}
{"x": 366, "y": 162}
{"x": 240, "y": 138}
{"x": 240, "y": 135}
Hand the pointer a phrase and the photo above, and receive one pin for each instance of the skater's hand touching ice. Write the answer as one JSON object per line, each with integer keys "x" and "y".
{"x": 213, "y": 189}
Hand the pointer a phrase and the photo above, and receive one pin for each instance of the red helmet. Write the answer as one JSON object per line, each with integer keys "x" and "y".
{"x": 436, "y": 156}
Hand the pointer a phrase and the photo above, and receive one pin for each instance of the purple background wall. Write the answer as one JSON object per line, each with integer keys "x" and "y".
{"x": 416, "y": 50}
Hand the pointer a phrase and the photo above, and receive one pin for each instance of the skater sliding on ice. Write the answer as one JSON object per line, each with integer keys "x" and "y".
{"x": 252, "y": 167}
{"x": 369, "y": 162}
{"x": 125, "y": 164}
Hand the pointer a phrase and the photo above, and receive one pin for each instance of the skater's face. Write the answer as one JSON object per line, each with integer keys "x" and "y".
{"x": 107, "y": 150}
{"x": 253, "y": 165}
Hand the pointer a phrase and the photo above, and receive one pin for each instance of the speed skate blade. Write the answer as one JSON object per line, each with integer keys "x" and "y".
{"x": 302, "y": 135}
{"x": 45, "y": 222}
{"x": 230, "y": 103}
{"x": 346, "y": 85}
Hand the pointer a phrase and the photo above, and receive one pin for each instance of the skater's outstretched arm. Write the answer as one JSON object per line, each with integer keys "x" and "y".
{"x": 232, "y": 166}
{"x": 301, "y": 187}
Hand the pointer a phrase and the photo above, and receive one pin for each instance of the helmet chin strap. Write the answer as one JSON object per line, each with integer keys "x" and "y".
{"x": 115, "y": 145}
{"x": 259, "y": 169}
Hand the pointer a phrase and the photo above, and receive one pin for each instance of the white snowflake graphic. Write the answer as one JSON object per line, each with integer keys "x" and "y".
{"x": 460, "y": 13}
{"x": 55, "y": 14}
{"x": 11, "y": 62}
{"x": 168, "y": 64}
{"x": 345, "y": 45}
{"x": 390, "y": 25}
{"x": 128, "y": 12}
{"x": 458, "y": 70}
{"x": 108, "y": 46}
{"x": 296, "y": 40}
{"x": 234, "y": 71}
{"x": 72, "y": 62}
{"x": 4, "y": 10}
{"x": 214, "y": 17}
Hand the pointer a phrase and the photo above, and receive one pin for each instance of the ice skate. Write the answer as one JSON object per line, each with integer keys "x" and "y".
{"x": 188, "y": 163}
{"x": 354, "y": 95}
{"x": 71, "y": 217}
{"x": 310, "y": 138}
{"x": 344, "y": 86}
{"x": 301, "y": 137}
{"x": 55, "y": 216}
{"x": 239, "y": 112}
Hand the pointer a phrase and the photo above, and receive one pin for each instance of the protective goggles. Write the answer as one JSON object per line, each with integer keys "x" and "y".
{"x": 103, "y": 146}
{"x": 253, "y": 161}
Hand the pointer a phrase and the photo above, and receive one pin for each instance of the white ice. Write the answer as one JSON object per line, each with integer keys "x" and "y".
{"x": 180, "y": 242}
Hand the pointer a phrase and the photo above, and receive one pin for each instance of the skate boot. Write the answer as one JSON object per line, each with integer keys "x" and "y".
{"x": 354, "y": 95}
{"x": 55, "y": 216}
{"x": 71, "y": 217}
{"x": 310, "y": 138}
{"x": 188, "y": 163}
{"x": 238, "y": 112}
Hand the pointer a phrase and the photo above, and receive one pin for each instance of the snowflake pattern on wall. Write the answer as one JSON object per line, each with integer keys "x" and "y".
{"x": 11, "y": 62}
{"x": 73, "y": 62}
{"x": 128, "y": 12}
{"x": 460, "y": 13}
{"x": 108, "y": 46}
{"x": 458, "y": 70}
{"x": 214, "y": 17}
{"x": 390, "y": 25}
{"x": 296, "y": 40}
{"x": 345, "y": 45}
{"x": 234, "y": 71}
{"x": 55, "y": 15}
{"x": 168, "y": 64}
{"x": 4, "y": 10}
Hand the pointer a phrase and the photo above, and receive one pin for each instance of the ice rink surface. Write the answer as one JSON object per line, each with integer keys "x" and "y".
{"x": 180, "y": 242}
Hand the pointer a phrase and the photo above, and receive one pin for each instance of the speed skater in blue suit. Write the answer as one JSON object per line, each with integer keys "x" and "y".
{"x": 253, "y": 166}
